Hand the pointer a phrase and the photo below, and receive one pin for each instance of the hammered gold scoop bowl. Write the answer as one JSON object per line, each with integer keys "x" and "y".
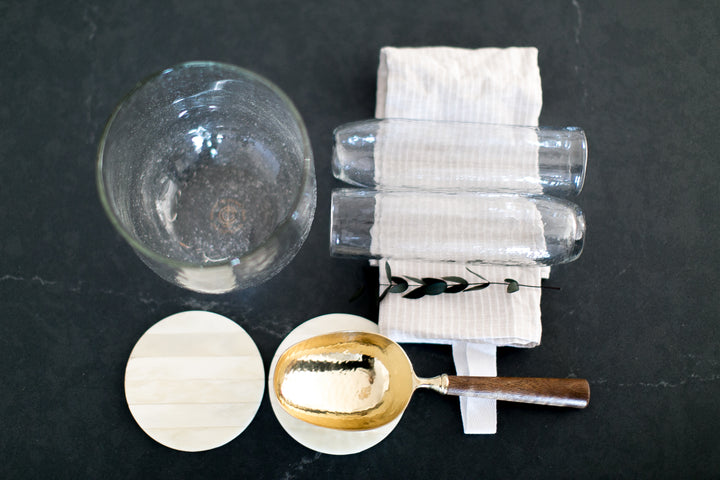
{"x": 361, "y": 381}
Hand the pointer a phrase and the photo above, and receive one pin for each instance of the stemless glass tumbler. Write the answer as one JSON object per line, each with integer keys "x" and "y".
{"x": 483, "y": 228}
{"x": 206, "y": 170}
{"x": 396, "y": 153}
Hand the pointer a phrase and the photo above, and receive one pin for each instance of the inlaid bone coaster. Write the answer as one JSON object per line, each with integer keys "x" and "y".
{"x": 194, "y": 381}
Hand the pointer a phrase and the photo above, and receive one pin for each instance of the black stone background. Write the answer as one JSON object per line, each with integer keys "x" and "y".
{"x": 637, "y": 314}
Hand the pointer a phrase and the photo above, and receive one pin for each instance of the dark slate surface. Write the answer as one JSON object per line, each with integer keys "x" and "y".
{"x": 637, "y": 314}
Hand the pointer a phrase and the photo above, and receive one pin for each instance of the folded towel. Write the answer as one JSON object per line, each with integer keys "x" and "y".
{"x": 489, "y": 85}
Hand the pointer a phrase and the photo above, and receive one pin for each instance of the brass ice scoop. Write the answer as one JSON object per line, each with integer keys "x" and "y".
{"x": 359, "y": 381}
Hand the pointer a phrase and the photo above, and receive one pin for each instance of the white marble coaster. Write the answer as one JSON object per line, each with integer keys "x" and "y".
{"x": 320, "y": 439}
{"x": 194, "y": 381}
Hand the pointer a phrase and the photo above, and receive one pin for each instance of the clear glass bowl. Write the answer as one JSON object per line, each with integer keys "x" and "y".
{"x": 207, "y": 171}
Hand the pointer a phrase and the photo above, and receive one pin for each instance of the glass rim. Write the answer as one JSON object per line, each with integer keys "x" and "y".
{"x": 138, "y": 245}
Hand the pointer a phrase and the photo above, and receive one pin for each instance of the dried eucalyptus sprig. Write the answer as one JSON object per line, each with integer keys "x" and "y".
{"x": 421, "y": 287}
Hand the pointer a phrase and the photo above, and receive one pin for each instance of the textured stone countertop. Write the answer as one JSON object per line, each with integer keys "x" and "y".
{"x": 637, "y": 314}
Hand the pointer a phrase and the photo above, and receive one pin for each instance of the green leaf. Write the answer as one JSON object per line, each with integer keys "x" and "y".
{"x": 513, "y": 285}
{"x": 416, "y": 293}
{"x": 434, "y": 286}
{"x": 478, "y": 287}
{"x": 476, "y": 274}
{"x": 399, "y": 285}
{"x": 461, "y": 284}
{"x": 383, "y": 294}
{"x": 416, "y": 280}
{"x": 388, "y": 272}
{"x": 456, "y": 288}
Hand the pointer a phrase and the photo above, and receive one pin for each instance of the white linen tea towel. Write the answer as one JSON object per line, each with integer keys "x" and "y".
{"x": 487, "y": 85}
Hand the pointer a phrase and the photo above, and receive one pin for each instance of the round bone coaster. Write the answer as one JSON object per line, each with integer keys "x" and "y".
{"x": 194, "y": 381}
{"x": 320, "y": 439}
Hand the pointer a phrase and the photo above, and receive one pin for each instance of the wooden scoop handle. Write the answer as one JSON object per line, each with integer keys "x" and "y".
{"x": 558, "y": 392}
